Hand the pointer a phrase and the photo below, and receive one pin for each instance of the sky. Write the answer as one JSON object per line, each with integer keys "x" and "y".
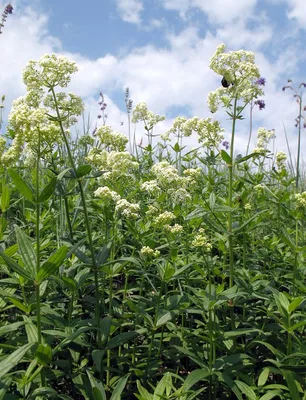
{"x": 161, "y": 49}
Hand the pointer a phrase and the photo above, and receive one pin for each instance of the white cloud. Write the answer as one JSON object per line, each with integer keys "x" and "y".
{"x": 130, "y": 10}
{"x": 218, "y": 11}
{"x": 175, "y": 76}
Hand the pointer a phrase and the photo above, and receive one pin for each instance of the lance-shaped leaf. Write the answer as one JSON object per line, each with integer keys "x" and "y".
{"x": 13, "y": 359}
{"x": 26, "y": 250}
{"x": 52, "y": 264}
{"x": 48, "y": 190}
{"x": 21, "y": 185}
{"x": 15, "y": 267}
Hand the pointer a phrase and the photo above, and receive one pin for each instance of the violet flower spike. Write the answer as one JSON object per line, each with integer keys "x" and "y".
{"x": 261, "y": 81}
{"x": 260, "y": 103}
{"x": 225, "y": 143}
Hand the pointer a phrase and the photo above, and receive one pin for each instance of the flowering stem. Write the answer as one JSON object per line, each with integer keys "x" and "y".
{"x": 37, "y": 285}
{"x": 251, "y": 127}
{"x": 230, "y": 198}
{"x": 299, "y": 144}
{"x": 89, "y": 235}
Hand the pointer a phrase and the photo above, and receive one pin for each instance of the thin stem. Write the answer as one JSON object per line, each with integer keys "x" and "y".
{"x": 230, "y": 199}
{"x": 88, "y": 228}
{"x": 299, "y": 145}
{"x": 37, "y": 285}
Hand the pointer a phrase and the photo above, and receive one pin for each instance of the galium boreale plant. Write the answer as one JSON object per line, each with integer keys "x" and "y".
{"x": 141, "y": 113}
{"x": 42, "y": 79}
{"x": 240, "y": 72}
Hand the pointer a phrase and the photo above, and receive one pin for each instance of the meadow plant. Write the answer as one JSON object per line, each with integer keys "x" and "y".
{"x": 148, "y": 275}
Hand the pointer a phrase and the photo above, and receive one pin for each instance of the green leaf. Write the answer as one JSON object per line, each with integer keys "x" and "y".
{"x": 165, "y": 318}
{"x": 26, "y": 250}
{"x": 13, "y": 359}
{"x": 45, "y": 392}
{"x": 15, "y": 267}
{"x": 162, "y": 385}
{"x": 143, "y": 392}
{"x": 271, "y": 395}
{"x": 120, "y": 339}
{"x": 245, "y": 158}
{"x": 21, "y": 185}
{"x": 52, "y": 264}
{"x": 119, "y": 387}
{"x": 43, "y": 354}
{"x": 48, "y": 190}
{"x": 4, "y": 330}
{"x": 83, "y": 170}
{"x": 105, "y": 328}
{"x": 240, "y": 332}
{"x": 245, "y": 389}
{"x": 103, "y": 254}
{"x": 17, "y": 303}
{"x": 295, "y": 304}
{"x": 226, "y": 157}
{"x": 264, "y": 375}
{"x": 194, "y": 377}
{"x": 97, "y": 388}
{"x": 4, "y": 387}
{"x": 292, "y": 385}
{"x": 5, "y": 197}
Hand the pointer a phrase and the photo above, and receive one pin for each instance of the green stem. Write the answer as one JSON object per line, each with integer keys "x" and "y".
{"x": 230, "y": 199}
{"x": 299, "y": 145}
{"x": 88, "y": 228}
{"x": 37, "y": 285}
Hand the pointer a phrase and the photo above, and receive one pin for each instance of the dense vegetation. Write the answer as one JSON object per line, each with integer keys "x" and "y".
{"x": 155, "y": 273}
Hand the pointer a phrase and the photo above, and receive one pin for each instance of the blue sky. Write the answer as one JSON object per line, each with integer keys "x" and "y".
{"x": 160, "y": 49}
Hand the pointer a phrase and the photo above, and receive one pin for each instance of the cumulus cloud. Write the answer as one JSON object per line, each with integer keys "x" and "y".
{"x": 130, "y": 10}
{"x": 218, "y": 11}
{"x": 175, "y": 76}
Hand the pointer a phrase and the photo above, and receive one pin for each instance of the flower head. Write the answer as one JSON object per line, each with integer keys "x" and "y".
{"x": 239, "y": 69}
{"x": 260, "y": 103}
{"x": 261, "y": 81}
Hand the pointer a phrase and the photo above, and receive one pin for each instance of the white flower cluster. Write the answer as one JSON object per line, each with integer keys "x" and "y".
{"x": 111, "y": 140}
{"x": 179, "y": 196}
{"x": 164, "y": 219}
{"x": 263, "y": 138}
{"x": 127, "y": 209}
{"x": 240, "y": 71}
{"x": 106, "y": 194}
{"x": 50, "y": 71}
{"x": 192, "y": 174}
{"x": 69, "y": 105}
{"x": 33, "y": 117}
{"x": 201, "y": 241}
{"x": 115, "y": 164}
{"x": 281, "y": 159}
{"x": 167, "y": 175}
{"x": 175, "y": 229}
{"x": 209, "y": 133}
{"x": 148, "y": 252}
{"x": 300, "y": 199}
{"x": 141, "y": 113}
{"x": 150, "y": 187}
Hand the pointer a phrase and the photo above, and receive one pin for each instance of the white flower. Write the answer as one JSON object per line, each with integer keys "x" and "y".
{"x": 127, "y": 209}
{"x": 240, "y": 71}
{"x": 106, "y": 194}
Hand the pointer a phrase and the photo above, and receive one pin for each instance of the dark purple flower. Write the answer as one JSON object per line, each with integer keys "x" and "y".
{"x": 225, "y": 143}
{"x": 8, "y": 9}
{"x": 99, "y": 116}
{"x": 261, "y": 81}
{"x": 261, "y": 104}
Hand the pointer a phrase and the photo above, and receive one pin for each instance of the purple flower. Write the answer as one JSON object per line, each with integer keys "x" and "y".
{"x": 225, "y": 143}
{"x": 8, "y": 9}
{"x": 261, "y": 81}
{"x": 261, "y": 104}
